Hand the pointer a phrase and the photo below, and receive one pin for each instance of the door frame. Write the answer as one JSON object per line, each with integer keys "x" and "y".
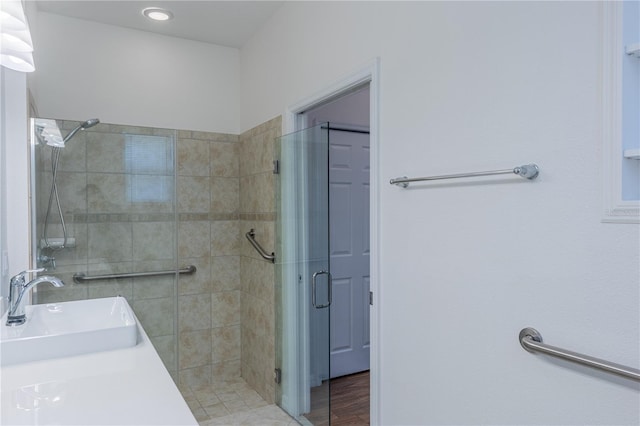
{"x": 294, "y": 121}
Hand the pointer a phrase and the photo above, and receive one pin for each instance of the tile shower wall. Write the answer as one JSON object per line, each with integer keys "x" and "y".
{"x": 195, "y": 326}
{"x": 208, "y": 303}
{"x": 257, "y": 211}
{"x": 114, "y": 231}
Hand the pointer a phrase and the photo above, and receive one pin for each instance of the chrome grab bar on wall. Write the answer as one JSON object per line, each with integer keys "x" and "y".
{"x": 531, "y": 340}
{"x": 528, "y": 171}
{"x": 251, "y": 237}
{"x": 81, "y": 278}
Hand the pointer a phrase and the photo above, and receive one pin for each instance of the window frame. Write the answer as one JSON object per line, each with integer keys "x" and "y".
{"x": 616, "y": 210}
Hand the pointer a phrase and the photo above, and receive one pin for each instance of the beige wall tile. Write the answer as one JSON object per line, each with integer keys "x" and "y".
{"x": 193, "y": 194}
{"x": 248, "y": 165}
{"x": 257, "y": 147}
{"x": 227, "y": 370}
{"x": 213, "y": 136}
{"x": 224, "y": 159}
{"x": 194, "y": 312}
{"x": 184, "y": 134}
{"x": 153, "y": 287}
{"x": 72, "y": 191}
{"x": 73, "y": 158}
{"x": 194, "y": 239}
{"x": 249, "y": 375}
{"x": 110, "y": 242}
{"x": 201, "y": 281}
{"x": 123, "y": 128}
{"x": 156, "y": 286}
{"x": 193, "y": 157}
{"x": 153, "y": 240}
{"x": 194, "y": 349}
{"x": 266, "y": 197}
{"x": 224, "y": 238}
{"x": 247, "y": 199}
{"x": 105, "y": 152}
{"x": 61, "y": 294}
{"x": 157, "y": 316}
{"x": 225, "y": 195}
{"x": 225, "y": 344}
{"x": 108, "y": 193}
{"x": 257, "y": 278}
{"x": 167, "y": 206}
{"x": 225, "y": 273}
{"x": 225, "y": 308}
{"x": 257, "y": 193}
{"x": 115, "y": 288}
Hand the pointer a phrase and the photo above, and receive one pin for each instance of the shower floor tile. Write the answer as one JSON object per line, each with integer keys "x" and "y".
{"x": 232, "y": 403}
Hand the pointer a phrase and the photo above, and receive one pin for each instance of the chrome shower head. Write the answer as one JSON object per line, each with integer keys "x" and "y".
{"x": 89, "y": 123}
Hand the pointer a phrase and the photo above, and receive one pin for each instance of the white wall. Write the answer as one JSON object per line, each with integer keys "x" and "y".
{"x": 464, "y": 266}
{"x": 14, "y": 184}
{"x": 86, "y": 69}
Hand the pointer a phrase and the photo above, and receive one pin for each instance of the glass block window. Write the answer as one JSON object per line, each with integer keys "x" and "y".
{"x": 149, "y": 163}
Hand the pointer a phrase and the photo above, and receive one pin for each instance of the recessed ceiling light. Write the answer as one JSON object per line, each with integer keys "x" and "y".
{"x": 157, "y": 14}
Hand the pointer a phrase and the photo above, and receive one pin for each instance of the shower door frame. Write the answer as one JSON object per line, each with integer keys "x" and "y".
{"x": 293, "y": 121}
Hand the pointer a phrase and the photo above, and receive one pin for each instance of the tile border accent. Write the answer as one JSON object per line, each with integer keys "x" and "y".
{"x": 259, "y": 217}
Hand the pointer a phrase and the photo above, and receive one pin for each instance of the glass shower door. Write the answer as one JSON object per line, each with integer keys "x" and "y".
{"x": 112, "y": 212}
{"x": 303, "y": 281}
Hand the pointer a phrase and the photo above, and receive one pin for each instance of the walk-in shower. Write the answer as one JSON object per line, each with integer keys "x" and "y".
{"x": 48, "y": 133}
{"x": 150, "y": 214}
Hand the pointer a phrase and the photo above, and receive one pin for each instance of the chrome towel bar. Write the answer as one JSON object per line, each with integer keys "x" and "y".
{"x": 251, "y": 236}
{"x": 81, "y": 278}
{"x": 531, "y": 340}
{"x": 528, "y": 171}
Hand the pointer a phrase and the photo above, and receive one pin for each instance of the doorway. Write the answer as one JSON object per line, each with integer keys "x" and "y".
{"x": 348, "y": 161}
{"x": 322, "y": 290}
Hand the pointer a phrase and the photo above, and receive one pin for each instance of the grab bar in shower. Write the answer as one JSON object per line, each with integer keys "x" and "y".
{"x": 81, "y": 278}
{"x": 528, "y": 171}
{"x": 251, "y": 236}
{"x": 531, "y": 340}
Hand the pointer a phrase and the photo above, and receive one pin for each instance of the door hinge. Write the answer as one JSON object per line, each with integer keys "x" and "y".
{"x": 371, "y": 298}
{"x": 276, "y": 167}
{"x": 277, "y": 375}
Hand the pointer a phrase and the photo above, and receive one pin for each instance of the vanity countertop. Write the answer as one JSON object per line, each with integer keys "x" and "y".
{"x": 120, "y": 387}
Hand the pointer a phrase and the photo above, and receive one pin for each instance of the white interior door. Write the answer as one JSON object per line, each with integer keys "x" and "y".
{"x": 349, "y": 249}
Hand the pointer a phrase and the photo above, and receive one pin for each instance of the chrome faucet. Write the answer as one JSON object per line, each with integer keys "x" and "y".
{"x": 18, "y": 288}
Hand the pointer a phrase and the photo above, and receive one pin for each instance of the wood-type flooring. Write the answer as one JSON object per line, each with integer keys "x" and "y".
{"x": 349, "y": 401}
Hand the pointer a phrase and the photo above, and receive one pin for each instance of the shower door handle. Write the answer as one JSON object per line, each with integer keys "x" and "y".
{"x": 313, "y": 289}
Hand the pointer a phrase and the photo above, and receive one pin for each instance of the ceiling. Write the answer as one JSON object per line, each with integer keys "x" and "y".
{"x": 226, "y": 23}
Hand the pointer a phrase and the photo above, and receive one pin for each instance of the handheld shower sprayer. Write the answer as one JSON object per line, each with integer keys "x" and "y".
{"x": 82, "y": 126}
{"x": 49, "y": 133}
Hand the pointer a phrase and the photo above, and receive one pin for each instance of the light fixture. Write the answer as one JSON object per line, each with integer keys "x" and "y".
{"x": 18, "y": 61}
{"x": 157, "y": 14}
{"x": 16, "y": 46}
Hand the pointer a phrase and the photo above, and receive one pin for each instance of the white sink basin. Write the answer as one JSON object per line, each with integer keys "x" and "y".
{"x": 64, "y": 329}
